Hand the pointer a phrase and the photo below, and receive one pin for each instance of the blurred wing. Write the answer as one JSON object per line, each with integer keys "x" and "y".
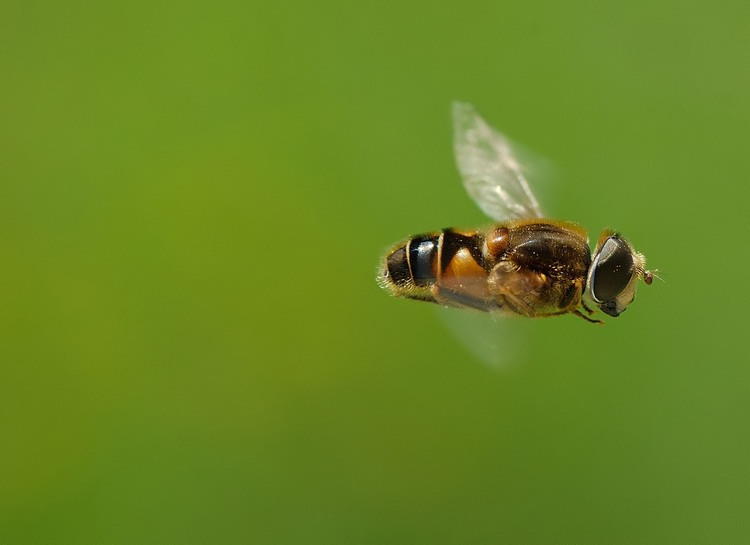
{"x": 489, "y": 167}
{"x": 498, "y": 344}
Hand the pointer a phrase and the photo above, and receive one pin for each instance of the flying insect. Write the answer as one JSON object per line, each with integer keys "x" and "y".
{"x": 522, "y": 265}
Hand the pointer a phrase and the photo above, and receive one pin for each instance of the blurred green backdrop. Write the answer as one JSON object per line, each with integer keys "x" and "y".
{"x": 193, "y": 200}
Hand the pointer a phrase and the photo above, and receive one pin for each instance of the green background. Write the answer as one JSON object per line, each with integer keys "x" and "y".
{"x": 193, "y": 201}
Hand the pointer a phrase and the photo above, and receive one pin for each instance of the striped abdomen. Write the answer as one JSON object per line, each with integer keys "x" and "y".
{"x": 449, "y": 258}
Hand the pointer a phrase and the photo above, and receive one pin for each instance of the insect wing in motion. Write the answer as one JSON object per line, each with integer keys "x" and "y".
{"x": 489, "y": 167}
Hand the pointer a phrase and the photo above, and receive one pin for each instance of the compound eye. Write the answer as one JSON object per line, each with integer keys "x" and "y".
{"x": 612, "y": 270}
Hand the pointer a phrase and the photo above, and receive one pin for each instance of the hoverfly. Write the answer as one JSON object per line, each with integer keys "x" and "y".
{"x": 522, "y": 265}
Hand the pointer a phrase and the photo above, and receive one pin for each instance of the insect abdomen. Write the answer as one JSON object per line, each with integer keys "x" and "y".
{"x": 409, "y": 269}
{"x": 414, "y": 266}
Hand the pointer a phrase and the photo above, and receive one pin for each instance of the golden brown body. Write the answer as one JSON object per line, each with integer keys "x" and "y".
{"x": 529, "y": 267}
{"x": 524, "y": 265}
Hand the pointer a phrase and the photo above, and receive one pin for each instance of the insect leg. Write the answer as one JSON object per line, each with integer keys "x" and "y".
{"x": 590, "y": 320}
{"x": 515, "y": 286}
